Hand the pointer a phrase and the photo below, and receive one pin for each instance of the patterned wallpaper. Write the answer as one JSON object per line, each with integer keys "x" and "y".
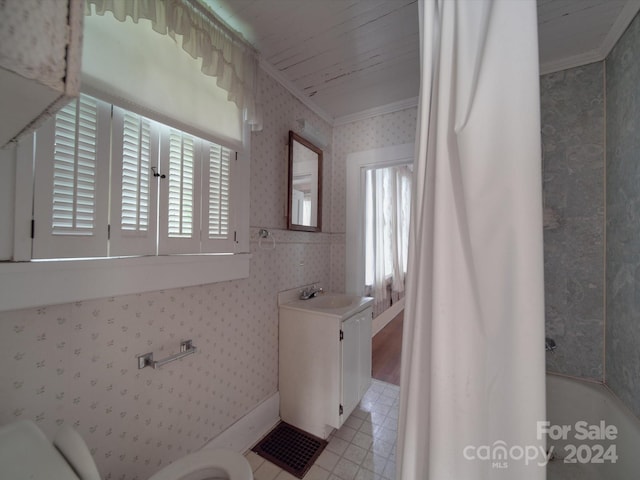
{"x": 76, "y": 363}
{"x": 33, "y": 39}
{"x": 382, "y": 131}
{"x": 270, "y": 157}
{"x": 572, "y": 114}
{"x": 394, "y": 128}
{"x": 623, "y": 218}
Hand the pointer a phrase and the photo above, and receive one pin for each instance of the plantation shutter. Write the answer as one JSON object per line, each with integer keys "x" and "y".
{"x": 217, "y": 235}
{"x": 134, "y": 186}
{"x": 110, "y": 182}
{"x": 71, "y": 181}
{"x": 180, "y": 193}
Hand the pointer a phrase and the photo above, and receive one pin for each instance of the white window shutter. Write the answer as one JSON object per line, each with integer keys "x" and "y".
{"x": 133, "y": 184}
{"x": 71, "y": 182}
{"x": 180, "y": 160}
{"x": 217, "y": 229}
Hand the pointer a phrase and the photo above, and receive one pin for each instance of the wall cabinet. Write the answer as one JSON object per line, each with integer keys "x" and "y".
{"x": 324, "y": 363}
{"x": 40, "y": 54}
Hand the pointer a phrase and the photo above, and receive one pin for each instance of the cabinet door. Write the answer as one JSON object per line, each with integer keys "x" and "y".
{"x": 364, "y": 338}
{"x": 350, "y": 366}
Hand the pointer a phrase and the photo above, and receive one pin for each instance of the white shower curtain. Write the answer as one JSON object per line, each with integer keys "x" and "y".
{"x": 472, "y": 386}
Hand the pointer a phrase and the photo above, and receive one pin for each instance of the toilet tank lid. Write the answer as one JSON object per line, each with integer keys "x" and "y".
{"x": 25, "y": 452}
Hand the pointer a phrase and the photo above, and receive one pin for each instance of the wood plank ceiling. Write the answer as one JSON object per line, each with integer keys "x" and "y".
{"x": 347, "y": 56}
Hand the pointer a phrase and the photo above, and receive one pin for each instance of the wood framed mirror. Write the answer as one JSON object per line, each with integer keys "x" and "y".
{"x": 304, "y": 199}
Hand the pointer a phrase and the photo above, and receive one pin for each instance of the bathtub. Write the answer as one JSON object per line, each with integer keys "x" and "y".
{"x": 577, "y": 409}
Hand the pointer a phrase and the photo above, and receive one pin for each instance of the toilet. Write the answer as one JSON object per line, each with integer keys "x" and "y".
{"x": 25, "y": 452}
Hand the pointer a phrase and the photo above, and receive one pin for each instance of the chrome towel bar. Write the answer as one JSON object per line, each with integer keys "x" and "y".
{"x": 186, "y": 348}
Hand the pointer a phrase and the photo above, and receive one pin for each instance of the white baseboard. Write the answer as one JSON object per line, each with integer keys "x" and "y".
{"x": 385, "y": 317}
{"x": 246, "y": 432}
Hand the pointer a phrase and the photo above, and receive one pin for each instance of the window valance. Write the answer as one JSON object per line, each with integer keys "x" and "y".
{"x": 231, "y": 61}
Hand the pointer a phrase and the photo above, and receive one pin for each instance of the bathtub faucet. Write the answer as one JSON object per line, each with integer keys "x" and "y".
{"x": 550, "y": 344}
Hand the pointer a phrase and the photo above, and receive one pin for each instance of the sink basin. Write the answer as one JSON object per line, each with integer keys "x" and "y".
{"x": 333, "y": 301}
{"x": 331, "y": 304}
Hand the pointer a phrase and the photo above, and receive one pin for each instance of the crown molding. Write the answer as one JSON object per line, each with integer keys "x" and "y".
{"x": 571, "y": 62}
{"x": 377, "y": 111}
{"x": 294, "y": 90}
{"x": 626, "y": 16}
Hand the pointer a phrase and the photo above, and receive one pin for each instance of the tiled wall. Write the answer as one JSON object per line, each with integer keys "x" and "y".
{"x": 76, "y": 363}
{"x": 577, "y": 266}
{"x": 395, "y": 128}
{"x": 622, "y": 372}
{"x": 572, "y": 110}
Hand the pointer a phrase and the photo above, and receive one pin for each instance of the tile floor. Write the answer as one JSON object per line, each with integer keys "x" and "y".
{"x": 363, "y": 449}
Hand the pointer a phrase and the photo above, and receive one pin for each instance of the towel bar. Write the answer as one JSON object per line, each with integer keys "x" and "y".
{"x": 186, "y": 348}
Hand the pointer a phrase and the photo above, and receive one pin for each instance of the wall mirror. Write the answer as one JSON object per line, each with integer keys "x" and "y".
{"x": 305, "y": 185}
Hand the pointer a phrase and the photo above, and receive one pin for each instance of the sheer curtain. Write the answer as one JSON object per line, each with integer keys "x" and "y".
{"x": 473, "y": 372}
{"x": 388, "y": 203}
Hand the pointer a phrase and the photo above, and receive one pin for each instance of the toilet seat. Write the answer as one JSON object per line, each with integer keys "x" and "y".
{"x": 198, "y": 466}
{"x": 25, "y": 452}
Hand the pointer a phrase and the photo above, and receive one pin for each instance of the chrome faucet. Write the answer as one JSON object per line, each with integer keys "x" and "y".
{"x": 310, "y": 292}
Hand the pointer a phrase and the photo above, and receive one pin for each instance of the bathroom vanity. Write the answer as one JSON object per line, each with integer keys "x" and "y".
{"x": 325, "y": 360}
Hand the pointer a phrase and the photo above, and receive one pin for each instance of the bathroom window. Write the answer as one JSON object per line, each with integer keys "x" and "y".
{"x": 110, "y": 183}
{"x": 387, "y": 214}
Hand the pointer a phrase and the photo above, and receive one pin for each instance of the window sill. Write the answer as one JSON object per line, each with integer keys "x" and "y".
{"x": 36, "y": 284}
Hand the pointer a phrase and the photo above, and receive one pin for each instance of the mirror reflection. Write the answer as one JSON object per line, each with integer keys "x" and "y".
{"x": 305, "y": 184}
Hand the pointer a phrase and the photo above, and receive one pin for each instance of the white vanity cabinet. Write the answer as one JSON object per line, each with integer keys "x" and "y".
{"x": 40, "y": 54}
{"x": 324, "y": 360}
{"x": 356, "y": 360}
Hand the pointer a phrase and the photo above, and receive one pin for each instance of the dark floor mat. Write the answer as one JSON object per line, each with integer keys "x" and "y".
{"x": 290, "y": 448}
